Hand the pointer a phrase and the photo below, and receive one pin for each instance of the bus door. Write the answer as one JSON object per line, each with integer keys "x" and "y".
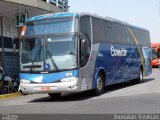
{"x": 147, "y": 60}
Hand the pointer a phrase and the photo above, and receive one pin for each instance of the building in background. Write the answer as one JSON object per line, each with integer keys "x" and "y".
{"x": 13, "y": 14}
{"x": 63, "y": 4}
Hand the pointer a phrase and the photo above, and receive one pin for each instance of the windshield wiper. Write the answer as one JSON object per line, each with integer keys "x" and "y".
{"x": 52, "y": 60}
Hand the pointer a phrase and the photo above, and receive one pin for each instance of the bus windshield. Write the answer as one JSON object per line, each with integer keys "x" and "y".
{"x": 51, "y": 53}
{"x": 49, "y": 45}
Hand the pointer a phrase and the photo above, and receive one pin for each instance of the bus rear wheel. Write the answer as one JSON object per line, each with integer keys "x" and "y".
{"x": 100, "y": 85}
{"x": 140, "y": 76}
{"x": 54, "y": 95}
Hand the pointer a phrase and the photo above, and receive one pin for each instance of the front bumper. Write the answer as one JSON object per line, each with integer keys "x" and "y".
{"x": 61, "y": 87}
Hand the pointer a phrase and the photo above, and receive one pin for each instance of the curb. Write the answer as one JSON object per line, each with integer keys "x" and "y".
{"x": 10, "y": 95}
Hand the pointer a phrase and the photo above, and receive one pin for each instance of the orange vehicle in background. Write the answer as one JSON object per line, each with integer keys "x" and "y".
{"x": 155, "y": 54}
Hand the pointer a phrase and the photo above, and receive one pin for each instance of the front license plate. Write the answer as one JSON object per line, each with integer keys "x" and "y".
{"x": 44, "y": 89}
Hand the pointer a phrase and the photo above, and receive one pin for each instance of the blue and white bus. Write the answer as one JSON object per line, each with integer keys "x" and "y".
{"x": 75, "y": 52}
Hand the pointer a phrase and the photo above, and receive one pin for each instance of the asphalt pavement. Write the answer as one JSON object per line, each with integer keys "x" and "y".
{"x": 124, "y": 98}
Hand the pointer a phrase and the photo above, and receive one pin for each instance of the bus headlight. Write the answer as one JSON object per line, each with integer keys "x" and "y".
{"x": 25, "y": 81}
{"x": 70, "y": 79}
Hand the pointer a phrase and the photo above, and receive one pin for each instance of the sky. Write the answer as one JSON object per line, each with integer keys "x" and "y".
{"x": 142, "y": 13}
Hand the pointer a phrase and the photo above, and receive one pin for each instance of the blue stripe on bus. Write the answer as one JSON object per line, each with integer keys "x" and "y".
{"x": 50, "y": 77}
{"x": 52, "y": 15}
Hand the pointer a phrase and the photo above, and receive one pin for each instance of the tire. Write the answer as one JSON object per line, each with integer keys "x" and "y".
{"x": 100, "y": 85}
{"x": 54, "y": 95}
{"x": 22, "y": 92}
{"x": 140, "y": 76}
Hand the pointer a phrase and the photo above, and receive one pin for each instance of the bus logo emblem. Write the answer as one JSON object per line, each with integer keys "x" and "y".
{"x": 118, "y": 52}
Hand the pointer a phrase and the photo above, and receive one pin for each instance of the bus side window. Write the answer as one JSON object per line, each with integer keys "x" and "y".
{"x": 110, "y": 32}
{"x": 85, "y": 40}
{"x": 85, "y": 49}
{"x": 98, "y": 30}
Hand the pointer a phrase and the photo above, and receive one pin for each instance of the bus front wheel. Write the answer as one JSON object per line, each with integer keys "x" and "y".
{"x": 100, "y": 85}
{"x": 54, "y": 95}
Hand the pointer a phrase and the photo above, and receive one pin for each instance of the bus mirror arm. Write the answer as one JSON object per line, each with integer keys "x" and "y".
{"x": 80, "y": 35}
{"x": 82, "y": 38}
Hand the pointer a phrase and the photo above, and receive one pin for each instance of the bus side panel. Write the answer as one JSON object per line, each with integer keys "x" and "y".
{"x": 119, "y": 67}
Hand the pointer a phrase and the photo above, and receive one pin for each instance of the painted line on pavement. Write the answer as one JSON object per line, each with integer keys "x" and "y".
{"x": 4, "y": 96}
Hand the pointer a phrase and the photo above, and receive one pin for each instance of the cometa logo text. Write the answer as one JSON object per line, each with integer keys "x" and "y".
{"x": 118, "y": 52}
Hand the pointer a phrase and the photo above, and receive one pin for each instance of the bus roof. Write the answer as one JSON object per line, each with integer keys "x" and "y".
{"x": 110, "y": 19}
{"x": 70, "y": 14}
{"x": 52, "y": 15}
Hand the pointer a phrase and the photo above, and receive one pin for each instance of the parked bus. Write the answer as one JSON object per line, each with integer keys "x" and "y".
{"x": 155, "y": 54}
{"x": 75, "y": 52}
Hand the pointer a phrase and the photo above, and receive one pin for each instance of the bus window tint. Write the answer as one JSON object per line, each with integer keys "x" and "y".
{"x": 135, "y": 34}
{"x": 110, "y": 31}
{"x": 51, "y": 26}
{"x": 147, "y": 38}
{"x": 142, "y": 36}
{"x": 85, "y": 50}
{"x": 85, "y": 26}
{"x": 120, "y": 33}
{"x": 98, "y": 30}
{"x": 129, "y": 38}
{"x": 85, "y": 29}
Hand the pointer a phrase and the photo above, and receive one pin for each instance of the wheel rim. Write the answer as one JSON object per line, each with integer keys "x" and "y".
{"x": 99, "y": 84}
{"x": 141, "y": 75}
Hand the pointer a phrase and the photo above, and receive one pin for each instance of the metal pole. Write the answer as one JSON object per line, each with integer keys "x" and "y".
{"x": 2, "y": 38}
